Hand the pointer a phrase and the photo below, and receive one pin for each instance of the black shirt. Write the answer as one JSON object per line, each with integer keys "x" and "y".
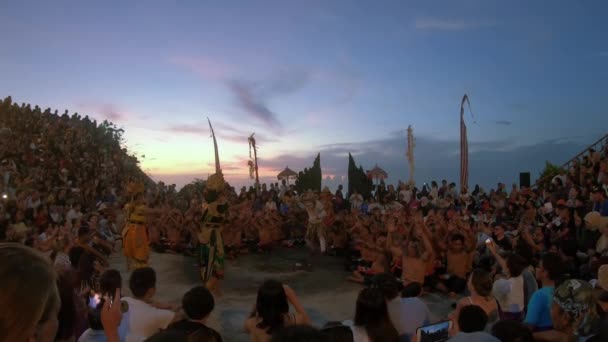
{"x": 188, "y": 327}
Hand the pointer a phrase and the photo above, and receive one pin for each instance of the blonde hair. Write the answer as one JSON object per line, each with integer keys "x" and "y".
{"x": 28, "y": 291}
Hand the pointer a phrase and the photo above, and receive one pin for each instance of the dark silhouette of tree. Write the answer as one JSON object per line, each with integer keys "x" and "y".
{"x": 358, "y": 180}
{"x": 310, "y": 179}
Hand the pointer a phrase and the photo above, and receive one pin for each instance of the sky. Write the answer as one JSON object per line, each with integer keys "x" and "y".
{"x": 320, "y": 76}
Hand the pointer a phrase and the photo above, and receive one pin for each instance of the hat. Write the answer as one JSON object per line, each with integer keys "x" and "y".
{"x": 561, "y": 204}
{"x": 602, "y": 277}
{"x": 574, "y": 297}
{"x": 595, "y": 221}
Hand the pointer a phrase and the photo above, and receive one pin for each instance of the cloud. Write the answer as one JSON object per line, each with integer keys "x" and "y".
{"x": 253, "y": 104}
{"x": 504, "y": 122}
{"x": 489, "y": 162}
{"x": 441, "y": 24}
{"x": 108, "y": 111}
{"x": 223, "y": 131}
{"x": 205, "y": 67}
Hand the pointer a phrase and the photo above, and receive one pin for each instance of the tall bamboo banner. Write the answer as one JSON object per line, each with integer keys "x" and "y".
{"x": 217, "y": 154}
{"x": 253, "y": 161}
{"x": 411, "y": 143}
{"x": 464, "y": 145}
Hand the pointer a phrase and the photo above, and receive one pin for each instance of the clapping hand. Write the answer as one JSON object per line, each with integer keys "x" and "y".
{"x": 111, "y": 315}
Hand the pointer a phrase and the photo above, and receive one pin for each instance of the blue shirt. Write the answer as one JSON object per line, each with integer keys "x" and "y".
{"x": 539, "y": 308}
{"x": 601, "y": 207}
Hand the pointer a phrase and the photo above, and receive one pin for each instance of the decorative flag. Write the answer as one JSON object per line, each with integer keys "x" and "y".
{"x": 464, "y": 145}
{"x": 411, "y": 143}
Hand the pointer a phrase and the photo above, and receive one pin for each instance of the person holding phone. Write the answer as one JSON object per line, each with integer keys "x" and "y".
{"x": 271, "y": 311}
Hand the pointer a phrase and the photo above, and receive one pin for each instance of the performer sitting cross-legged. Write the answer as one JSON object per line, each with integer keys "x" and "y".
{"x": 210, "y": 239}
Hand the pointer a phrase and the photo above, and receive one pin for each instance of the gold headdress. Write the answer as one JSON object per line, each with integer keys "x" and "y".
{"x": 215, "y": 182}
{"x": 135, "y": 187}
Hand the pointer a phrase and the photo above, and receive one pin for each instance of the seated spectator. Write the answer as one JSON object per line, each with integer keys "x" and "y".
{"x": 372, "y": 322}
{"x": 472, "y": 321}
{"x": 480, "y": 288}
{"x": 297, "y": 333}
{"x": 601, "y": 294}
{"x": 512, "y": 331}
{"x": 500, "y": 239}
{"x": 109, "y": 282}
{"x": 548, "y": 272}
{"x": 572, "y": 301}
{"x": 197, "y": 305}
{"x": 510, "y": 291}
{"x": 336, "y": 332}
{"x": 95, "y": 333}
{"x": 272, "y": 311}
{"x": 406, "y": 314}
{"x": 145, "y": 318}
{"x": 29, "y": 300}
{"x": 459, "y": 263}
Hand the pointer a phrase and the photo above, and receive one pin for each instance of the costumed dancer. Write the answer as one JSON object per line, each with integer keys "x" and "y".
{"x": 315, "y": 230}
{"x": 136, "y": 243}
{"x": 211, "y": 244}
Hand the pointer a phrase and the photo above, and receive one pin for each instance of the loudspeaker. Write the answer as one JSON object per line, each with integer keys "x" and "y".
{"x": 524, "y": 179}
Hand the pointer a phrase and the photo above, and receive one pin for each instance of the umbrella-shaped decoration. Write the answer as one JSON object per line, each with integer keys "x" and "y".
{"x": 377, "y": 174}
{"x": 286, "y": 174}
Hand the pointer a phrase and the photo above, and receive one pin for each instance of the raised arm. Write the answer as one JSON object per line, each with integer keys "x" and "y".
{"x": 501, "y": 261}
{"x": 295, "y": 302}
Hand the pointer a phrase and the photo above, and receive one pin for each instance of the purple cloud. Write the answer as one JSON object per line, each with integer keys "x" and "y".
{"x": 223, "y": 132}
{"x": 253, "y": 104}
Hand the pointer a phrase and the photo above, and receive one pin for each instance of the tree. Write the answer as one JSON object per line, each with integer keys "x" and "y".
{"x": 549, "y": 172}
{"x": 357, "y": 179}
{"x": 310, "y": 179}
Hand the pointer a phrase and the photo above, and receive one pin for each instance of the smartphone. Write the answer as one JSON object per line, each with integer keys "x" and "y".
{"x": 488, "y": 241}
{"x": 94, "y": 300}
{"x": 437, "y": 332}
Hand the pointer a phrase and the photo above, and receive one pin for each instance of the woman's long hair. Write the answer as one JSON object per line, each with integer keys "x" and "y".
{"x": 371, "y": 313}
{"x": 271, "y": 306}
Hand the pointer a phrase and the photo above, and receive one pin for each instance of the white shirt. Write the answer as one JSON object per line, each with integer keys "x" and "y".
{"x": 72, "y": 214}
{"x": 270, "y": 206}
{"x": 405, "y": 195}
{"x": 408, "y": 314}
{"x": 510, "y": 294}
{"x": 145, "y": 320}
{"x": 356, "y": 200}
{"x": 359, "y": 333}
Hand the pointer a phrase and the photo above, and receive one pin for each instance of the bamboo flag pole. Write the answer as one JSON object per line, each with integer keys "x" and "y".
{"x": 411, "y": 143}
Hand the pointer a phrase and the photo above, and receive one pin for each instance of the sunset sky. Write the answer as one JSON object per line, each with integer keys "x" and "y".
{"x": 320, "y": 76}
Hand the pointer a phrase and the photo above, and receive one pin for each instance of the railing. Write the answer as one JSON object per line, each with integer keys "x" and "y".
{"x": 603, "y": 140}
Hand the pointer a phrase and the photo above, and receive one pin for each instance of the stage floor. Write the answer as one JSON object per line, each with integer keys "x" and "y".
{"x": 319, "y": 281}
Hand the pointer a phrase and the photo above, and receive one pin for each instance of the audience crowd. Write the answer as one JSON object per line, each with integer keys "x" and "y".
{"x": 521, "y": 264}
